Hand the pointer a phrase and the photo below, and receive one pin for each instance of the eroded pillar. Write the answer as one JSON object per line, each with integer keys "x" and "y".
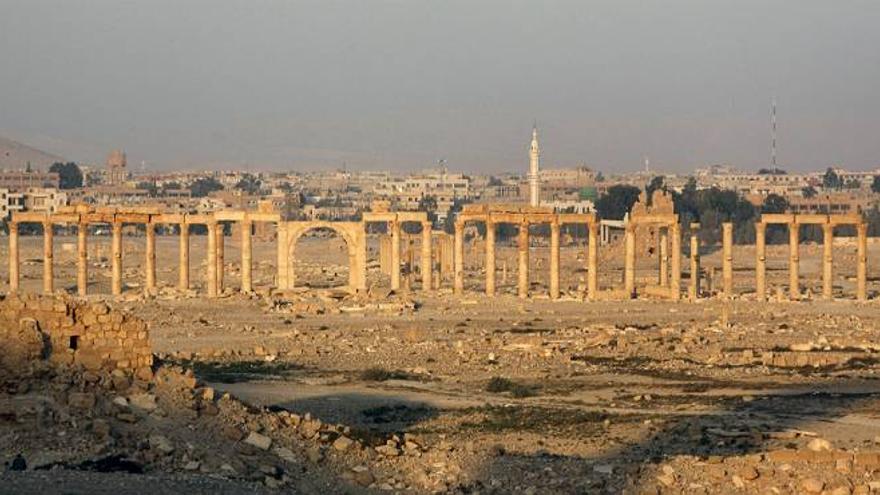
{"x": 458, "y": 259}
{"x": 664, "y": 257}
{"x": 183, "y": 269}
{"x": 727, "y": 258}
{"x": 629, "y": 262}
{"x": 554, "y": 260}
{"x": 593, "y": 262}
{"x": 490, "y": 258}
{"x": 427, "y": 259}
{"x": 221, "y": 256}
{"x": 212, "y": 260}
{"x": 827, "y": 261}
{"x": 82, "y": 259}
{"x": 116, "y": 259}
{"x": 862, "y": 262}
{"x": 793, "y": 260}
{"x": 150, "y": 264}
{"x": 48, "y": 258}
{"x": 395, "y": 254}
{"x": 13, "y": 257}
{"x": 694, "y": 289}
{"x": 247, "y": 284}
{"x": 760, "y": 260}
{"x": 675, "y": 232}
{"x": 523, "y": 271}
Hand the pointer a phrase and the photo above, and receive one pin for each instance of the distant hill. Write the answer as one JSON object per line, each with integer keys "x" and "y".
{"x": 16, "y": 156}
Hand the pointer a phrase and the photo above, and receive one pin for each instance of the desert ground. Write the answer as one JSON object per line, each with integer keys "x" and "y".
{"x": 430, "y": 392}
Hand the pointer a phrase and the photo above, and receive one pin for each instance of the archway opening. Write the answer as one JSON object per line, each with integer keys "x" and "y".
{"x": 321, "y": 259}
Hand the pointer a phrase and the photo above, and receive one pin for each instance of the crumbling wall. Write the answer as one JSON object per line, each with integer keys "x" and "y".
{"x": 69, "y": 333}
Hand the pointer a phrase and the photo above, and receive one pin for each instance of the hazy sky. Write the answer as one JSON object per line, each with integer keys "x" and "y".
{"x": 301, "y": 85}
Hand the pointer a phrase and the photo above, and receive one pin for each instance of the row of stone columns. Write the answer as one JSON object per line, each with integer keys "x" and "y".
{"x": 390, "y": 258}
{"x": 670, "y": 276}
{"x": 794, "y": 260}
{"x": 523, "y": 259}
{"x": 214, "y": 268}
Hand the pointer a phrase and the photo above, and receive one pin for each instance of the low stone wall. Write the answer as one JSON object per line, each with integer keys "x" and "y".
{"x": 69, "y": 333}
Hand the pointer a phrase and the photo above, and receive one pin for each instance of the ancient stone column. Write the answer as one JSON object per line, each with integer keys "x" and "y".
{"x": 82, "y": 260}
{"x": 13, "y": 257}
{"x": 395, "y": 254}
{"x": 862, "y": 262}
{"x": 593, "y": 262}
{"x": 664, "y": 258}
{"x": 247, "y": 284}
{"x": 490, "y": 258}
{"x": 827, "y": 260}
{"x": 183, "y": 269}
{"x": 385, "y": 255}
{"x": 793, "y": 260}
{"x": 48, "y": 258}
{"x": 694, "y": 289}
{"x": 212, "y": 260}
{"x": 426, "y": 258}
{"x": 554, "y": 260}
{"x": 760, "y": 260}
{"x": 458, "y": 259}
{"x": 675, "y": 232}
{"x": 629, "y": 262}
{"x": 221, "y": 256}
{"x": 727, "y": 258}
{"x": 150, "y": 263}
{"x": 116, "y": 259}
{"x": 523, "y": 271}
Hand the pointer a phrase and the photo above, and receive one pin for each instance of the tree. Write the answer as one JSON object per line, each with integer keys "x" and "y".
{"x": 875, "y": 184}
{"x": 809, "y": 192}
{"x": 69, "y": 175}
{"x": 428, "y": 204}
{"x": 600, "y": 177}
{"x": 831, "y": 180}
{"x": 151, "y": 188}
{"x": 772, "y": 171}
{"x": 203, "y": 186}
{"x": 250, "y": 184}
{"x": 617, "y": 201}
{"x": 774, "y": 203}
{"x": 655, "y": 184}
{"x": 872, "y": 218}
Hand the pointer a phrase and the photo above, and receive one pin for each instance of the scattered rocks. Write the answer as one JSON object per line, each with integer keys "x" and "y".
{"x": 259, "y": 441}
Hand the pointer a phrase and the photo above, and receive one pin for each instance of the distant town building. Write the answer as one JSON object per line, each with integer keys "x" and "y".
{"x": 117, "y": 173}
{"x": 38, "y": 199}
{"x": 21, "y": 180}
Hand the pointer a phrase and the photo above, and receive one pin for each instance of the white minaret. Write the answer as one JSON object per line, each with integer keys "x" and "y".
{"x": 534, "y": 183}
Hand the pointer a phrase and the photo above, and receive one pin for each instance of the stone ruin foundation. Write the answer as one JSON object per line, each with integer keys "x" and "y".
{"x": 69, "y": 333}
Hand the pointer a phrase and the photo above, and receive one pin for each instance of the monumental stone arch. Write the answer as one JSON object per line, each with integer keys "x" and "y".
{"x": 352, "y": 233}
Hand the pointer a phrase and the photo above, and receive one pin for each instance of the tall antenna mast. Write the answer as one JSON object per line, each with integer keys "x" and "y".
{"x": 773, "y": 133}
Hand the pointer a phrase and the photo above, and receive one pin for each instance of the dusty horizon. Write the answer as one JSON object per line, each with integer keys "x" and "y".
{"x": 322, "y": 85}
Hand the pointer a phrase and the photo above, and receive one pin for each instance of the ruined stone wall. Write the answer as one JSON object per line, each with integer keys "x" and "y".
{"x": 69, "y": 333}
